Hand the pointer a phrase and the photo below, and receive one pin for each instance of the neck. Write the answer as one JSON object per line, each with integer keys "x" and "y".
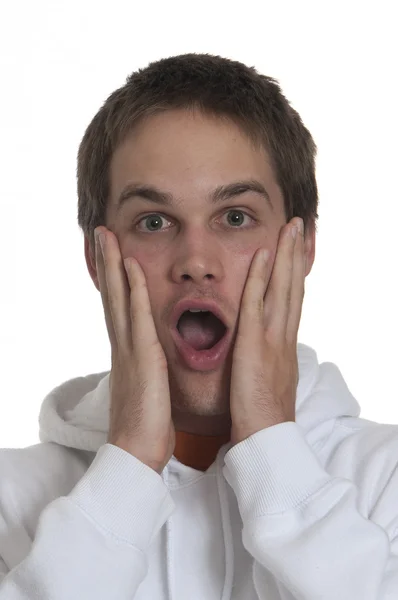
{"x": 215, "y": 425}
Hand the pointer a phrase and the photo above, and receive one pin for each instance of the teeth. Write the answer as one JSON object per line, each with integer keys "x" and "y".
{"x": 193, "y": 310}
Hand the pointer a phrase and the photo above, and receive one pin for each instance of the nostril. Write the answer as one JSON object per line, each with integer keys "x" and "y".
{"x": 186, "y": 277}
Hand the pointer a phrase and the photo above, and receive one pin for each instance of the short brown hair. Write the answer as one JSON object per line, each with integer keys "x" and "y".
{"x": 216, "y": 86}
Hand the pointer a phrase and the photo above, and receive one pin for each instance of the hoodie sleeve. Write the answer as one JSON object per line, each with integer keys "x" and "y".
{"x": 303, "y": 525}
{"x": 93, "y": 543}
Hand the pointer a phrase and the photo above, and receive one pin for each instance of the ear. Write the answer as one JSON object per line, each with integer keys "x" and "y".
{"x": 309, "y": 247}
{"x": 89, "y": 253}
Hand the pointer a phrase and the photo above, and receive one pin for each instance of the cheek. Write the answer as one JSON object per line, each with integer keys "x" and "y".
{"x": 238, "y": 269}
{"x": 242, "y": 256}
{"x": 154, "y": 271}
{"x": 155, "y": 283}
{"x": 150, "y": 264}
{"x": 147, "y": 258}
{"x": 241, "y": 261}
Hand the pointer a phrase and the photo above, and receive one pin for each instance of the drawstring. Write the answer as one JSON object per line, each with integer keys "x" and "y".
{"x": 227, "y": 532}
{"x": 169, "y": 547}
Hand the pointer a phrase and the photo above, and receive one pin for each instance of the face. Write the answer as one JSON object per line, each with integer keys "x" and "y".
{"x": 194, "y": 247}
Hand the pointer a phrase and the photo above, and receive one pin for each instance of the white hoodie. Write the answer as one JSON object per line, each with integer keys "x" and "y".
{"x": 304, "y": 511}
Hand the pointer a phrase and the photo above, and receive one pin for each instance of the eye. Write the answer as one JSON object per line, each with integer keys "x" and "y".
{"x": 152, "y": 223}
{"x": 236, "y": 217}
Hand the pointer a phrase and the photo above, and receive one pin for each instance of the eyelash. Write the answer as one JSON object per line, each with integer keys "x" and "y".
{"x": 163, "y": 217}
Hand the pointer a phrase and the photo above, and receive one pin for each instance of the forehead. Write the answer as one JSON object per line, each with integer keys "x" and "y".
{"x": 188, "y": 153}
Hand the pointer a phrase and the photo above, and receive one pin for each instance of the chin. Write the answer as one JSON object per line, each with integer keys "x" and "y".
{"x": 202, "y": 394}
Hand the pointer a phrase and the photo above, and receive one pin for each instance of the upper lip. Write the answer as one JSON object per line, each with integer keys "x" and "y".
{"x": 188, "y": 303}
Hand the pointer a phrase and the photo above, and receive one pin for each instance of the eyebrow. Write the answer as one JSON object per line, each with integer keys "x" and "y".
{"x": 220, "y": 194}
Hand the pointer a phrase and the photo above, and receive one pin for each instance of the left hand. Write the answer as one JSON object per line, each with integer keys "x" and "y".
{"x": 264, "y": 374}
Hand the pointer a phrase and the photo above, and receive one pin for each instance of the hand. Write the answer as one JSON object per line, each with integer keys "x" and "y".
{"x": 140, "y": 411}
{"x": 264, "y": 374}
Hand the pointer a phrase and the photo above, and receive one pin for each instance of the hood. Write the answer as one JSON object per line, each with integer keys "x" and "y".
{"x": 76, "y": 413}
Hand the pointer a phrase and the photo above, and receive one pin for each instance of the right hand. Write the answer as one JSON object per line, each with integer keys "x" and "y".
{"x": 140, "y": 411}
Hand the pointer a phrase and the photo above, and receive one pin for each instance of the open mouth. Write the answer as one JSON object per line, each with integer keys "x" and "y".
{"x": 200, "y": 329}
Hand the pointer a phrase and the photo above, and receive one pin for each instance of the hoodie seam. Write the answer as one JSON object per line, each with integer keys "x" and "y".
{"x": 105, "y": 529}
{"x": 342, "y": 426}
{"x": 188, "y": 484}
{"x": 319, "y": 447}
{"x": 336, "y": 424}
{"x": 9, "y": 502}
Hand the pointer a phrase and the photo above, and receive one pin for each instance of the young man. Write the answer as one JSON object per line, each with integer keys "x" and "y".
{"x": 217, "y": 459}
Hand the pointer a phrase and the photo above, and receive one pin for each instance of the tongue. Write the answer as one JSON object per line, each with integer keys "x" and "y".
{"x": 200, "y": 332}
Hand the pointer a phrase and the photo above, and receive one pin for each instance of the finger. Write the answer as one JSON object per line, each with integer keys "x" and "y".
{"x": 100, "y": 266}
{"x": 277, "y": 298}
{"x": 297, "y": 291}
{"x": 144, "y": 335}
{"x": 251, "y": 318}
{"x": 115, "y": 292}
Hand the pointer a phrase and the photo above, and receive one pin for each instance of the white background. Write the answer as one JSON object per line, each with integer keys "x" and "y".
{"x": 337, "y": 64}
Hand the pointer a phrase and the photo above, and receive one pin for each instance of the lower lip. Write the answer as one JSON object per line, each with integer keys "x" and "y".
{"x": 202, "y": 360}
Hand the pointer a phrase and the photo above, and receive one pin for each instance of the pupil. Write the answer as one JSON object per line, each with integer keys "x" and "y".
{"x": 152, "y": 219}
{"x": 238, "y": 214}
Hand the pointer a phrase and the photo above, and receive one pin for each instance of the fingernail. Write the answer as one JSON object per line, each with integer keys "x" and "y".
{"x": 300, "y": 226}
{"x": 294, "y": 232}
{"x": 99, "y": 237}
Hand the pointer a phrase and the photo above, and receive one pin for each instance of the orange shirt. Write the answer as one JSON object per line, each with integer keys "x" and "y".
{"x": 198, "y": 451}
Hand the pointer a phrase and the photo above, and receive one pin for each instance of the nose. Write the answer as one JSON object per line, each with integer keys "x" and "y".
{"x": 198, "y": 266}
